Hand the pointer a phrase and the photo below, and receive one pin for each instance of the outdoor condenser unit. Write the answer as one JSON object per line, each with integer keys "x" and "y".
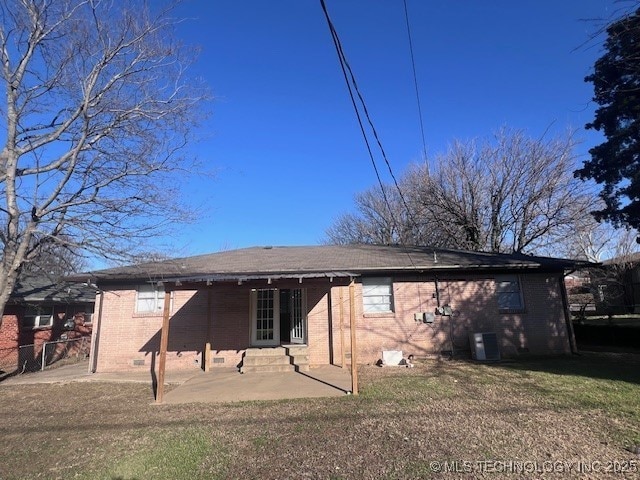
{"x": 484, "y": 346}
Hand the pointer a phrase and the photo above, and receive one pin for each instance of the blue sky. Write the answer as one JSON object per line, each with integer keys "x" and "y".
{"x": 283, "y": 139}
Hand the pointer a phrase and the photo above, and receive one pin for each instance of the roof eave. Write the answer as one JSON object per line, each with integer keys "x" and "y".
{"x": 305, "y": 274}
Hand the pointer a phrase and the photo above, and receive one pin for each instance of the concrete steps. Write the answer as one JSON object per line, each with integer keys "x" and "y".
{"x": 290, "y": 358}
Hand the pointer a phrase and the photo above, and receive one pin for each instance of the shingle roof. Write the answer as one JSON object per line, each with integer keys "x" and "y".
{"x": 41, "y": 290}
{"x": 321, "y": 260}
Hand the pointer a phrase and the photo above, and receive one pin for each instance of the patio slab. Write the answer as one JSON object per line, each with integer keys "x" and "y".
{"x": 79, "y": 373}
{"x": 228, "y": 385}
{"x": 217, "y": 385}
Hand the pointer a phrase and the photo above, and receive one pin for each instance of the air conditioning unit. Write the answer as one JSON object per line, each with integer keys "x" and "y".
{"x": 484, "y": 346}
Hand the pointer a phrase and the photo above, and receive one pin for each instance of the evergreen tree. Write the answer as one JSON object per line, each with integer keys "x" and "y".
{"x": 615, "y": 164}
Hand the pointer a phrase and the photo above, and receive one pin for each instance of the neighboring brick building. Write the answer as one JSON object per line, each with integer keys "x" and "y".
{"x": 418, "y": 300}
{"x": 40, "y": 311}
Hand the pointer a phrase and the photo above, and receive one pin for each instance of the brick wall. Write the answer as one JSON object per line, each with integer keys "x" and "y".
{"x": 12, "y": 335}
{"x": 9, "y": 338}
{"x": 131, "y": 341}
{"x": 539, "y": 329}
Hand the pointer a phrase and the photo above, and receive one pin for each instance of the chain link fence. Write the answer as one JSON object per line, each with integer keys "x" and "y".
{"x": 37, "y": 357}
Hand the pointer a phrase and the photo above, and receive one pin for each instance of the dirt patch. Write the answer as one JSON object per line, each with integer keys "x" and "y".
{"x": 469, "y": 419}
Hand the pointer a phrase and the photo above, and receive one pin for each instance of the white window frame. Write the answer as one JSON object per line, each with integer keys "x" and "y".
{"x": 377, "y": 295}
{"x": 509, "y": 293}
{"x": 40, "y": 318}
{"x": 153, "y": 296}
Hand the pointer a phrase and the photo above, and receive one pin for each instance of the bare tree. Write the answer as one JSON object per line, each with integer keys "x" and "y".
{"x": 95, "y": 112}
{"x": 449, "y": 198}
{"x": 382, "y": 219}
{"x": 587, "y": 239}
{"x": 378, "y": 220}
{"x": 53, "y": 260}
{"x": 511, "y": 193}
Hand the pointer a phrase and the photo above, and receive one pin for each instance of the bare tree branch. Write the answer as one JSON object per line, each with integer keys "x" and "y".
{"x": 511, "y": 193}
{"x": 97, "y": 111}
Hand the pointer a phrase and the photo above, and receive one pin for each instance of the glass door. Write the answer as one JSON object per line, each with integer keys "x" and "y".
{"x": 298, "y": 316}
{"x": 266, "y": 317}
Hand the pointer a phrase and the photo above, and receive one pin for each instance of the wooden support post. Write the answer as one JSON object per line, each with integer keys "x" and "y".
{"x": 354, "y": 347}
{"x": 207, "y": 346}
{"x": 164, "y": 342}
{"x": 95, "y": 337}
{"x": 343, "y": 362}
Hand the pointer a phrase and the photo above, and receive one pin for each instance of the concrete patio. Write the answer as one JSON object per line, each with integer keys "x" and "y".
{"x": 230, "y": 386}
{"x": 218, "y": 385}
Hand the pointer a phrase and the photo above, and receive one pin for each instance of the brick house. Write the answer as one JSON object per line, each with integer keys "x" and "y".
{"x": 221, "y": 307}
{"x": 40, "y": 311}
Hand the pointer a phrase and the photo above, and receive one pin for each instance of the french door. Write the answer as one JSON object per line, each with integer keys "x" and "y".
{"x": 265, "y": 306}
{"x": 278, "y": 316}
{"x": 298, "y": 316}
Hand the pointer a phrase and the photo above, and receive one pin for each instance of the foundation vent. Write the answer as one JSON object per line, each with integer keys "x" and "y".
{"x": 218, "y": 359}
{"x": 138, "y": 363}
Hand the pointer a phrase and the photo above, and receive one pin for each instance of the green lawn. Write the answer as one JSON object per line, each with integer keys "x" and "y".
{"x": 407, "y": 423}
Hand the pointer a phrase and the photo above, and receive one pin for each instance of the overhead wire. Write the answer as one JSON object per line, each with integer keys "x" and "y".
{"x": 352, "y": 87}
{"x": 415, "y": 80}
{"x": 344, "y": 65}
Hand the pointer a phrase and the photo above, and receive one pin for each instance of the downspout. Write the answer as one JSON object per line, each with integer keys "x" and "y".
{"x": 567, "y": 313}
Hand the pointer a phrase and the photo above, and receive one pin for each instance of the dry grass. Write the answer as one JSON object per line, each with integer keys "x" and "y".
{"x": 584, "y": 409}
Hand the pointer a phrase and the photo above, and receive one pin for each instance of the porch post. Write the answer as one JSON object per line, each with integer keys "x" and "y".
{"x": 354, "y": 347}
{"x": 95, "y": 336}
{"x": 164, "y": 342}
{"x": 207, "y": 346}
{"x": 343, "y": 362}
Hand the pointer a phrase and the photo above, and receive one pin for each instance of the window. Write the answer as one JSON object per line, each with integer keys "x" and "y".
{"x": 150, "y": 299}
{"x": 377, "y": 295}
{"x": 509, "y": 293}
{"x": 87, "y": 313}
{"x": 38, "y": 317}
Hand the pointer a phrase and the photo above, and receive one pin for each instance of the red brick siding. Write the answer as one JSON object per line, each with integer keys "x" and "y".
{"x": 127, "y": 337}
{"x": 540, "y": 328}
{"x": 13, "y": 335}
{"x": 9, "y": 340}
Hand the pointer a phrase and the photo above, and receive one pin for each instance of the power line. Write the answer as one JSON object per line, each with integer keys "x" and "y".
{"x": 352, "y": 86}
{"x": 415, "y": 80}
{"x": 344, "y": 65}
